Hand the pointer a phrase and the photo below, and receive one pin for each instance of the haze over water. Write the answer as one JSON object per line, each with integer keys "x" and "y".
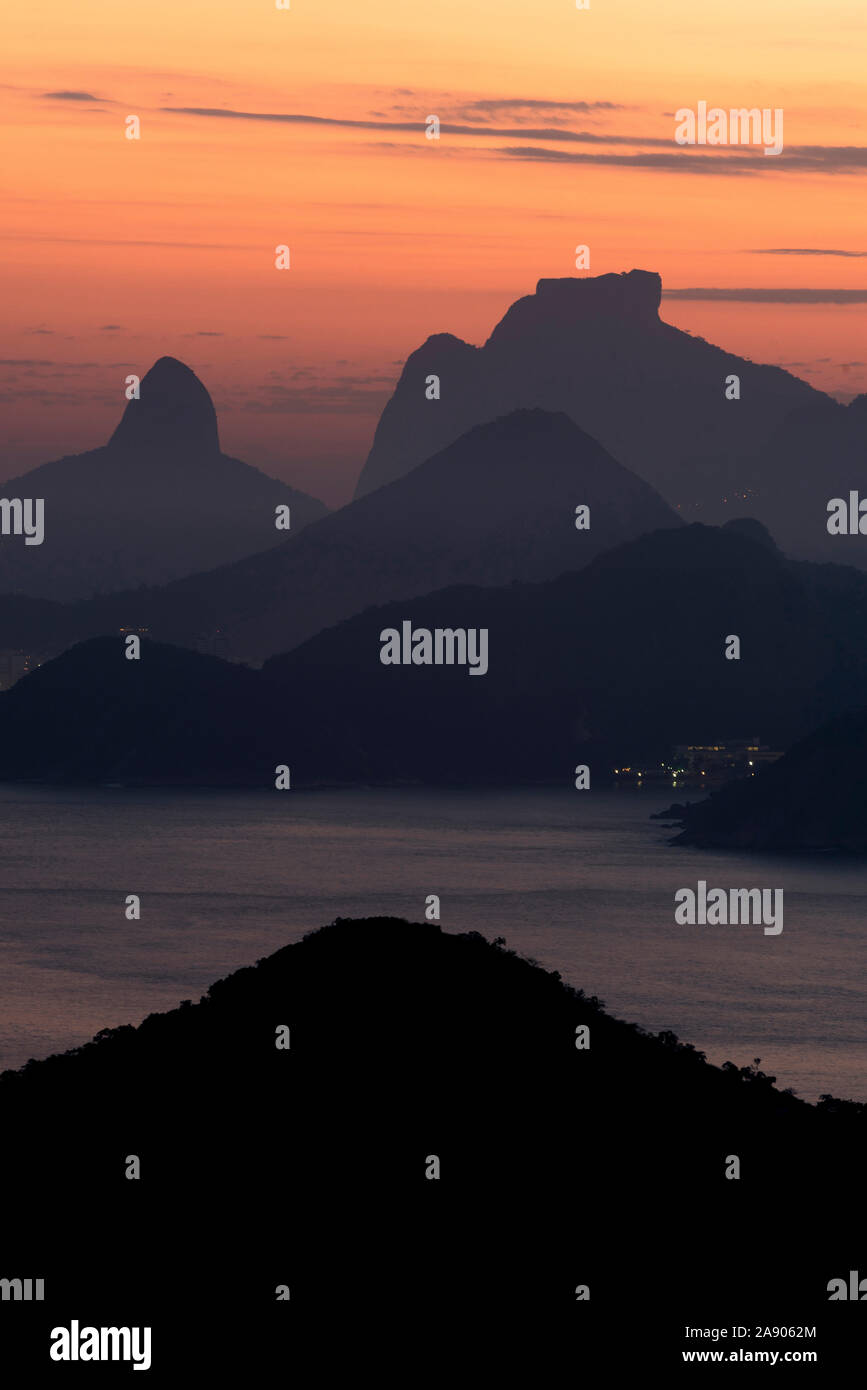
{"x": 583, "y": 882}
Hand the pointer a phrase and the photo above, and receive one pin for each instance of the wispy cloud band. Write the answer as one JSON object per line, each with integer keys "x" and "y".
{"x": 772, "y": 296}
{"x": 649, "y": 152}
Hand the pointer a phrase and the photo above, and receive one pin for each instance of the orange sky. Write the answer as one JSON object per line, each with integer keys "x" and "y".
{"x": 116, "y": 251}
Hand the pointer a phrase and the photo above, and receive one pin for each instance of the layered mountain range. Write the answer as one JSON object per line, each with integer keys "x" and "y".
{"x": 488, "y": 508}
{"x": 497, "y": 506}
{"x": 609, "y": 665}
{"x": 161, "y": 500}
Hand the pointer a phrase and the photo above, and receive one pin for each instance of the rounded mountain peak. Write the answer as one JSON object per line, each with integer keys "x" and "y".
{"x": 174, "y": 412}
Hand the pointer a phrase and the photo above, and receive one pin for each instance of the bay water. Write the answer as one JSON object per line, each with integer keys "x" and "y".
{"x": 583, "y": 882}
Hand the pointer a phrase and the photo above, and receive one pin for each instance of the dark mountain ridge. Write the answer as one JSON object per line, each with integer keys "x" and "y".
{"x": 304, "y": 1166}
{"x": 611, "y": 665}
{"x": 811, "y": 801}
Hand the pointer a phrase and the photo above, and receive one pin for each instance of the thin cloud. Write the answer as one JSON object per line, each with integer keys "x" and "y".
{"x": 800, "y": 251}
{"x": 674, "y": 162}
{"x": 203, "y": 333}
{"x": 522, "y": 109}
{"x": 417, "y": 126}
{"x": 501, "y": 103}
{"x": 771, "y": 296}
{"x": 70, "y": 96}
{"x": 810, "y": 159}
{"x": 114, "y": 241}
{"x": 352, "y": 394}
{"x": 110, "y": 328}
{"x": 735, "y": 159}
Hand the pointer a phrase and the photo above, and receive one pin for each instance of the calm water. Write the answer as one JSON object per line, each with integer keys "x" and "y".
{"x": 584, "y": 882}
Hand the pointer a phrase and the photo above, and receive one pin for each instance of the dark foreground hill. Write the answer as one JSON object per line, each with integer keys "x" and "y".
{"x": 496, "y": 507}
{"x": 811, "y": 801}
{"x": 313, "y": 1166}
{"x": 159, "y": 500}
{"x": 610, "y": 666}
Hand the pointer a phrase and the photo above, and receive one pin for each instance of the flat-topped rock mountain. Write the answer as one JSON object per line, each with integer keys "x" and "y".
{"x": 654, "y": 396}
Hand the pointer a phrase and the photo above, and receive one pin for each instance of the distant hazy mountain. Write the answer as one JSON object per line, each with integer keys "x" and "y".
{"x": 159, "y": 500}
{"x": 654, "y": 397}
{"x": 811, "y": 800}
{"x": 815, "y": 454}
{"x": 609, "y": 665}
{"x": 498, "y": 505}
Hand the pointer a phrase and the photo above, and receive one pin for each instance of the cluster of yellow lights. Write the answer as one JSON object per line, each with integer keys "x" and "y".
{"x": 717, "y": 748}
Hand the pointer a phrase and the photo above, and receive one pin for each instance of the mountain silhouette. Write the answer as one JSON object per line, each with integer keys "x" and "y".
{"x": 175, "y": 716}
{"x": 174, "y": 413}
{"x": 498, "y": 505}
{"x": 616, "y": 663}
{"x": 301, "y": 1167}
{"x": 815, "y": 454}
{"x": 159, "y": 500}
{"x": 653, "y": 395}
{"x": 611, "y": 665}
{"x": 810, "y": 801}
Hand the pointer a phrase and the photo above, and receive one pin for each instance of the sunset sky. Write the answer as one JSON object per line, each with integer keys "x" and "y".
{"x": 557, "y": 129}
